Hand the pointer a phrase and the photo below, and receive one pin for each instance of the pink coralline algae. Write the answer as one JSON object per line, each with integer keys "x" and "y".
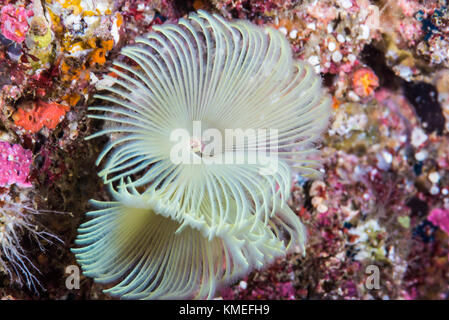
{"x": 13, "y": 22}
{"x": 14, "y": 165}
{"x": 440, "y": 218}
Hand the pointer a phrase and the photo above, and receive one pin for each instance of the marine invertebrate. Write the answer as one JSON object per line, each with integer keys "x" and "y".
{"x": 33, "y": 116}
{"x": 18, "y": 219}
{"x": 226, "y": 76}
{"x": 364, "y": 82}
{"x": 137, "y": 239}
{"x": 13, "y": 22}
{"x": 15, "y": 164}
{"x": 200, "y": 223}
{"x": 39, "y": 39}
{"x": 440, "y": 218}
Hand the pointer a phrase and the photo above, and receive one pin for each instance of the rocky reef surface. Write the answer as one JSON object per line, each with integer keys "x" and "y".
{"x": 377, "y": 221}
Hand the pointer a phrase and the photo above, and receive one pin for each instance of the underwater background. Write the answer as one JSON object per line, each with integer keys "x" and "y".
{"x": 377, "y": 220}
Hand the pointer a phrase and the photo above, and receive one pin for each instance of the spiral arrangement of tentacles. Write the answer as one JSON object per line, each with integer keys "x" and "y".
{"x": 194, "y": 227}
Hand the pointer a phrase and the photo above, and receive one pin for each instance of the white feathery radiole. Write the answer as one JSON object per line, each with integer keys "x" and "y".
{"x": 133, "y": 241}
{"x": 183, "y": 229}
{"x": 227, "y": 75}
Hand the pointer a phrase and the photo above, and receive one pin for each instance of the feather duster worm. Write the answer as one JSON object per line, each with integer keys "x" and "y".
{"x": 197, "y": 226}
{"x": 224, "y": 75}
{"x": 136, "y": 242}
